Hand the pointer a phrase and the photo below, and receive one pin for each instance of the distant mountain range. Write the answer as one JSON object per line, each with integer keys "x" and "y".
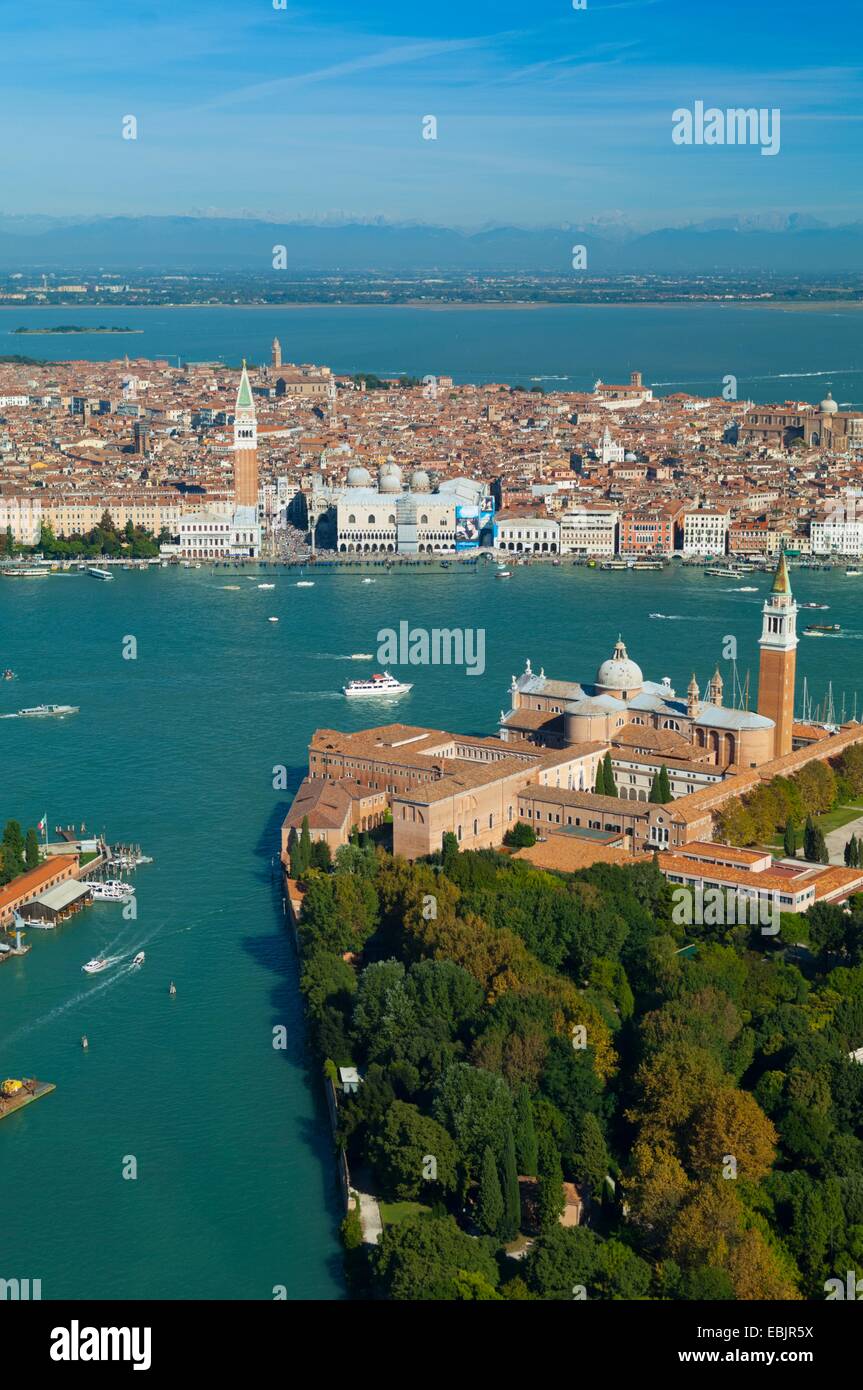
{"x": 791, "y": 245}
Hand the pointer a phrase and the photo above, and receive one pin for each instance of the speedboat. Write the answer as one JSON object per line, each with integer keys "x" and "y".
{"x": 501, "y": 573}
{"x": 94, "y": 966}
{"x": 9, "y": 675}
{"x": 305, "y": 583}
{"x": 811, "y": 604}
{"x": 266, "y": 586}
{"x": 376, "y": 685}
{"x": 272, "y": 620}
{"x": 47, "y": 711}
{"x": 139, "y": 959}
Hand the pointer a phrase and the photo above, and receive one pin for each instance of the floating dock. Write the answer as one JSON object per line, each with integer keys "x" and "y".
{"x": 31, "y": 1090}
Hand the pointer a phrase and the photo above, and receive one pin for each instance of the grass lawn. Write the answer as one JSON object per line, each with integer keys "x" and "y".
{"x": 85, "y": 858}
{"x": 832, "y": 820}
{"x": 394, "y": 1212}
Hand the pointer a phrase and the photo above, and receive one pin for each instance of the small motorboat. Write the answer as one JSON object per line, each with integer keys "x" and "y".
{"x": 266, "y": 586}
{"x": 272, "y": 620}
{"x": 502, "y": 573}
{"x": 305, "y": 583}
{"x": 111, "y": 891}
{"x": 94, "y": 966}
{"x": 9, "y": 675}
{"x": 139, "y": 959}
{"x": 172, "y": 988}
{"x": 84, "y": 1043}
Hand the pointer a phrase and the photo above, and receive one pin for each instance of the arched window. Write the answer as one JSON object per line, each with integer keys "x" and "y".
{"x": 424, "y": 521}
{"x": 391, "y": 520}
{"x": 371, "y": 521}
{"x": 475, "y": 827}
{"x": 352, "y": 521}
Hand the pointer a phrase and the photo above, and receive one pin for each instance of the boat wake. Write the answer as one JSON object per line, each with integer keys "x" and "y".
{"x": 670, "y": 617}
{"x": 81, "y": 997}
{"x": 340, "y": 656}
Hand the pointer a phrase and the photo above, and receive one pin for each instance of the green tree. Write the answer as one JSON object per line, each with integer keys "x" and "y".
{"x": 608, "y": 776}
{"x": 560, "y": 1261}
{"x": 525, "y": 1134}
{"x": 413, "y": 1155}
{"x": 426, "y": 1258}
{"x": 664, "y": 786}
{"x": 790, "y": 839}
{"x": 320, "y": 857}
{"x": 550, "y": 1198}
{"x": 510, "y": 1190}
{"x": 520, "y": 835}
{"x": 449, "y": 850}
{"x": 31, "y": 849}
{"x": 305, "y": 847}
{"x": 489, "y": 1207}
{"x": 590, "y": 1160}
{"x": 599, "y": 780}
{"x": 13, "y": 848}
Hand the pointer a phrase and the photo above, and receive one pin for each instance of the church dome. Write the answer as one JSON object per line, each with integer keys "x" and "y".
{"x": 359, "y": 476}
{"x": 828, "y": 406}
{"x": 390, "y": 478}
{"x": 619, "y": 673}
{"x": 420, "y": 481}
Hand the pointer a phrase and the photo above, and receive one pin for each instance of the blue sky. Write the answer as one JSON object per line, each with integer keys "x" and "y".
{"x": 545, "y": 114}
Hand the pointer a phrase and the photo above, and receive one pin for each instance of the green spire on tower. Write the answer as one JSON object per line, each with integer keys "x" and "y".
{"x": 244, "y": 395}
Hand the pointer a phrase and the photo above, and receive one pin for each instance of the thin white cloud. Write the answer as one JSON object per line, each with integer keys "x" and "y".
{"x": 399, "y": 56}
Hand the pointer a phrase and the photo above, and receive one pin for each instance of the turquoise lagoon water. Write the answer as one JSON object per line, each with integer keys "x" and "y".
{"x": 235, "y": 1191}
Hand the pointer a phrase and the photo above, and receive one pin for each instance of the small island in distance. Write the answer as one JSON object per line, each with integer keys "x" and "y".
{"x": 77, "y": 328}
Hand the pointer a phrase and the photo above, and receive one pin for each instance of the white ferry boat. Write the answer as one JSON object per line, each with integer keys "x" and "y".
{"x": 95, "y": 965}
{"x": 109, "y": 891}
{"x": 96, "y": 573}
{"x": 47, "y": 711}
{"x": 376, "y": 685}
{"x": 26, "y": 571}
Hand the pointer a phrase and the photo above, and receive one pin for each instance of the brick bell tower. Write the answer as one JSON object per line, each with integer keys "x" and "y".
{"x": 245, "y": 446}
{"x": 779, "y": 659}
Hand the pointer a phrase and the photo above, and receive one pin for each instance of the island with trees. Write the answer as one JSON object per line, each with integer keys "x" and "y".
{"x": 563, "y": 1094}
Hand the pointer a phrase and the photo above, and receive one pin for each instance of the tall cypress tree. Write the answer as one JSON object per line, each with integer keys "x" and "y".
{"x": 525, "y": 1134}
{"x": 654, "y": 790}
{"x": 608, "y": 776}
{"x": 305, "y": 845}
{"x": 510, "y": 1190}
{"x": 789, "y": 842}
{"x": 489, "y": 1210}
{"x": 664, "y": 785}
{"x": 599, "y": 783}
{"x": 809, "y": 840}
{"x": 31, "y": 849}
{"x": 550, "y": 1199}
